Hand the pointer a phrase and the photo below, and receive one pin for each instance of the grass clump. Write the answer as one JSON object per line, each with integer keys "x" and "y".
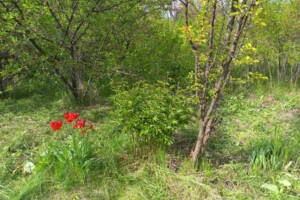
{"x": 271, "y": 154}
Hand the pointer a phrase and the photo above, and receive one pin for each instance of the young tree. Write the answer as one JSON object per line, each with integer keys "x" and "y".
{"x": 215, "y": 31}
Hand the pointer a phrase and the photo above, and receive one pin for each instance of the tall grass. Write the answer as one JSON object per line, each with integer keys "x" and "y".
{"x": 271, "y": 154}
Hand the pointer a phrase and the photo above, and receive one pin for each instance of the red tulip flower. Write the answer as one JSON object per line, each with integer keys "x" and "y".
{"x": 83, "y": 132}
{"x": 90, "y": 125}
{"x": 56, "y": 125}
{"x": 80, "y": 124}
{"x": 71, "y": 116}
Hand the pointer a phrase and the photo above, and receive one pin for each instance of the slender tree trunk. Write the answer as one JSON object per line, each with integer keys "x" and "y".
{"x": 74, "y": 84}
{"x": 204, "y": 133}
{"x": 199, "y": 146}
{"x": 2, "y": 84}
{"x": 197, "y": 66}
{"x": 295, "y": 74}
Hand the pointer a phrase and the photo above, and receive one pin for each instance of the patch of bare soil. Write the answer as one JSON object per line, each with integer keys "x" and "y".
{"x": 180, "y": 150}
{"x": 241, "y": 124}
{"x": 269, "y": 100}
{"x": 288, "y": 115}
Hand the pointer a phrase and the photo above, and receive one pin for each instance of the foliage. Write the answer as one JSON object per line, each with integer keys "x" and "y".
{"x": 156, "y": 51}
{"x": 70, "y": 155}
{"x": 52, "y": 52}
{"x": 272, "y": 155}
{"x": 151, "y": 113}
{"x": 79, "y": 43}
{"x": 276, "y": 40}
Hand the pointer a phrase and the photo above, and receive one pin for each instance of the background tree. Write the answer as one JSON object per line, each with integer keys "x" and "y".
{"x": 79, "y": 42}
{"x": 278, "y": 41}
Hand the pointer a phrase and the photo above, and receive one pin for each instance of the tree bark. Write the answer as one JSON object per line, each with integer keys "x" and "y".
{"x": 199, "y": 146}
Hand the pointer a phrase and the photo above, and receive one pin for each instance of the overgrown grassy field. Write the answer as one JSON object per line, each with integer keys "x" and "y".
{"x": 255, "y": 153}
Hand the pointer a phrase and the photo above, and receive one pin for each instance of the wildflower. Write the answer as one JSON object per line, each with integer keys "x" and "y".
{"x": 80, "y": 124}
{"x": 56, "y": 125}
{"x": 28, "y": 167}
{"x": 71, "y": 116}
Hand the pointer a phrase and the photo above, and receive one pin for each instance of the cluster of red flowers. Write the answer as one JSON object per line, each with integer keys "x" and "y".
{"x": 70, "y": 117}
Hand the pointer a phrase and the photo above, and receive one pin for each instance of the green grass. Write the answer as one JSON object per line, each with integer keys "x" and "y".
{"x": 254, "y": 154}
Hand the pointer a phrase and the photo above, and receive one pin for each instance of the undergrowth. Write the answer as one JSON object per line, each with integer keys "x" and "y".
{"x": 254, "y": 154}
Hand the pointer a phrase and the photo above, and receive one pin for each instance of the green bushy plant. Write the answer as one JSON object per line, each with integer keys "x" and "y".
{"x": 233, "y": 104}
{"x": 151, "y": 113}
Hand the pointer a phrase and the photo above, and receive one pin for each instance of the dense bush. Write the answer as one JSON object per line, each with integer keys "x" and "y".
{"x": 151, "y": 113}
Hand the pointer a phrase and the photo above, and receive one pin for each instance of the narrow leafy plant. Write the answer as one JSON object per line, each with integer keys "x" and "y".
{"x": 270, "y": 154}
{"x": 70, "y": 155}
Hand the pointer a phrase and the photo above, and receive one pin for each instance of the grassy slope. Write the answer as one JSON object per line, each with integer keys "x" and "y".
{"x": 226, "y": 171}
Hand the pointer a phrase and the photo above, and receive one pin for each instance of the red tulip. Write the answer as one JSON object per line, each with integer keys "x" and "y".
{"x": 83, "y": 132}
{"x": 56, "y": 125}
{"x": 71, "y": 116}
{"x": 90, "y": 125}
{"x": 80, "y": 124}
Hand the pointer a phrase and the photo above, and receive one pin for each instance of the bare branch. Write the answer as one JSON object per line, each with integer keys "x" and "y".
{"x": 209, "y": 58}
{"x": 81, "y": 34}
{"x": 74, "y": 7}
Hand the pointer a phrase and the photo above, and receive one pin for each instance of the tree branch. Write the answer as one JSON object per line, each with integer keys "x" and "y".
{"x": 54, "y": 16}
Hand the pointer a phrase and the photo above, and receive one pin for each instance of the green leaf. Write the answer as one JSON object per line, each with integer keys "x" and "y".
{"x": 270, "y": 187}
{"x": 285, "y": 183}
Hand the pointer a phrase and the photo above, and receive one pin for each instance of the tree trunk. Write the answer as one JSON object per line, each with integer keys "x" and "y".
{"x": 204, "y": 133}
{"x": 2, "y": 85}
{"x": 295, "y": 74}
{"x": 199, "y": 143}
{"x": 74, "y": 92}
{"x": 74, "y": 85}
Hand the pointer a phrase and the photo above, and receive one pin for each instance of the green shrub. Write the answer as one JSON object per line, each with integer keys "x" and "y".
{"x": 151, "y": 113}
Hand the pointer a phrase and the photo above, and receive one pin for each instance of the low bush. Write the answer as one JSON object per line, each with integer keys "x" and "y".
{"x": 150, "y": 114}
